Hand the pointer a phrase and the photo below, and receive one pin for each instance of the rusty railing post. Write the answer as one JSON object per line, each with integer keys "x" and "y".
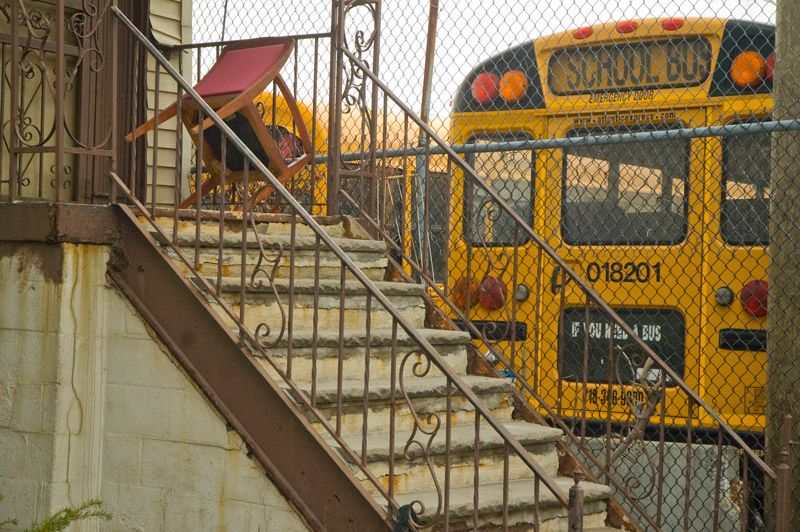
{"x": 575, "y": 506}
{"x": 784, "y": 474}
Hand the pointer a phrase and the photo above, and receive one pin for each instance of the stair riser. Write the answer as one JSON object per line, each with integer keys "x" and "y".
{"x": 330, "y": 267}
{"x": 550, "y": 519}
{"x": 416, "y": 476}
{"x": 263, "y": 308}
{"x": 378, "y": 418}
{"x": 380, "y": 367}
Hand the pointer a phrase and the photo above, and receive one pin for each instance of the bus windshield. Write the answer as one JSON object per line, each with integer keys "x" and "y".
{"x": 625, "y": 194}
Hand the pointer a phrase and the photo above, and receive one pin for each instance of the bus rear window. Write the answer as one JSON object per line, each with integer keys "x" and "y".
{"x": 510, "y": 174}
{"x": 625, "y": 194}
{"x": 745, "y": 189}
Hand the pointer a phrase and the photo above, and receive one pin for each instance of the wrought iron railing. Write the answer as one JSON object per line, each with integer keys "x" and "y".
{"x": 260, "y": 277}
{"x": 57, "y": 99}
{"x": 628, "y": 442}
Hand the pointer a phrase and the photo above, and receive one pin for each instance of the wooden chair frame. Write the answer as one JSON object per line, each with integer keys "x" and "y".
{"x": 220, "y": 91}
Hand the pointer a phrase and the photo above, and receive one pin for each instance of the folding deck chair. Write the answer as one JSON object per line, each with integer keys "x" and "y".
{"x": 242, "y": 71}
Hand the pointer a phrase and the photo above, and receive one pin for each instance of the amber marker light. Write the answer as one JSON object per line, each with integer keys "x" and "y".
{"x": 748, "y": 69}
{"x": 513, "y": 86}
{"x": 464, "y": 291}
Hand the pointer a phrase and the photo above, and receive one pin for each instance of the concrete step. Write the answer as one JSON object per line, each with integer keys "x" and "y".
{"x": 368, "y": 255}
{"x": 412, "y": 472}
{"x": 262, "y": 307}
{"x": 428, "y": 397}
{"x": 343, "y": 227}
{"x": 552, "y": 516}
{"x": 451, "y": 345}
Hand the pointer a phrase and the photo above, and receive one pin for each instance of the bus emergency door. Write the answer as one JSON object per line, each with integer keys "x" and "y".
{"x": 626, "y": 218}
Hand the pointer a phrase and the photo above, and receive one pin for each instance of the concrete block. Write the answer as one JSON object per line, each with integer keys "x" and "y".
{"x": 137, "y": 410}
{"x": 26, "y": 407}
{"x": 192, "y": 419}
{"x": 192, "y": 469}
{"x": 122, "y": 459}
{"x": 26, "y": 455}
{"x": 35, "y": 303}
{"x": 240, "y": 515}
{"x": 117, "y": 308}
{"x": 28, "y": 356}
{"x": 20, "y": 500}
{"x": 186, "y": 511}
{"x": 135, "y": 508}
{"x": 141, "y": 362}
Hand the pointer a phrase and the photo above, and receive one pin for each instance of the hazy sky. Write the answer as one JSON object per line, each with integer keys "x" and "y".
{"x": 468, "y": 30}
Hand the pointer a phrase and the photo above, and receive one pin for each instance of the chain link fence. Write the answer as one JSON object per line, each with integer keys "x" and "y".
{"x": 672, "y": 224}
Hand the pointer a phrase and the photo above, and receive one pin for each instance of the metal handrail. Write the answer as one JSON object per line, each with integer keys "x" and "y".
{"x": 307, "y": 218}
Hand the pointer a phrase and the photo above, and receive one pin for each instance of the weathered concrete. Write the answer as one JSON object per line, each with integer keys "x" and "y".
{"x": 93, "y": 406}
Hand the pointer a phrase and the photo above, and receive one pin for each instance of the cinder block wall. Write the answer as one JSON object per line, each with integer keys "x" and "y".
{"x": 92, "y": 405}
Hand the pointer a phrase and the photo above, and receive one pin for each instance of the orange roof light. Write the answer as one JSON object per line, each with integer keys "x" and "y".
{"x": 748, "y": 69}
{"x": 672, "y": 24}
{"x": 513, "y": 85}
{"x": 627, "y": 27}
{"x": 582, "y": 33}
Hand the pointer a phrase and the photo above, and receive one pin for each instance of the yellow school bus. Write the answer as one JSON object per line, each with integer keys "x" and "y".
{"x": 671, "y": 231}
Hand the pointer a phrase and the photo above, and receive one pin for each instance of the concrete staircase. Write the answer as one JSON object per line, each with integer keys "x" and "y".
{"x": 343, "y": 405}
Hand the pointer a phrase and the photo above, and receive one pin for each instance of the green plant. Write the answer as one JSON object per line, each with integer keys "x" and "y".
{"x": 64, "y": 517}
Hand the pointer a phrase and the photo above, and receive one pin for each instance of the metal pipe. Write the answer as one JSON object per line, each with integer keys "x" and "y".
{"x": 771, "y": 126}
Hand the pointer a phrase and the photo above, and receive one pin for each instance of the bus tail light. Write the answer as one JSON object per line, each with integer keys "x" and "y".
{"x": 464, "y": 291}
{"x": 492, "y": 293}
{"x": 770, "y": 69}
{"x": 485, "y": 88}
{"x": 513, "y": 85}
{"x": 748, "y": 69}
{"x": 754, "y": 298}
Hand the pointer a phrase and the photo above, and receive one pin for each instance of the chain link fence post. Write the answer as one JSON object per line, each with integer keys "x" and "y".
{"x": 783, "y": 348}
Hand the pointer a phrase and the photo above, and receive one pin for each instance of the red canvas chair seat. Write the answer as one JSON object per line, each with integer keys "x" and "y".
{"x": 243, "y": 71}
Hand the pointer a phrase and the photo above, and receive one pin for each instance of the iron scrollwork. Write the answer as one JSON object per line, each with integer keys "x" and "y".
{"x": 354, "y": 92}
{"x": 40, "y": 80}
{"x": 269, "y": 259}
{"x": 423, "y": 433}
{"x": 497, "y": 265}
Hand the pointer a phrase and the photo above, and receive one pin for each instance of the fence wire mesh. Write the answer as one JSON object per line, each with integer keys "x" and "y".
{"x": 682, "y": 235}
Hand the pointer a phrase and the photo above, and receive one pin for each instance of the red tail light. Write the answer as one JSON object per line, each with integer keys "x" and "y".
{"x": 485, "y": 88}
{"x": 754, "y": 298}
{"x": 492, "y": 293}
